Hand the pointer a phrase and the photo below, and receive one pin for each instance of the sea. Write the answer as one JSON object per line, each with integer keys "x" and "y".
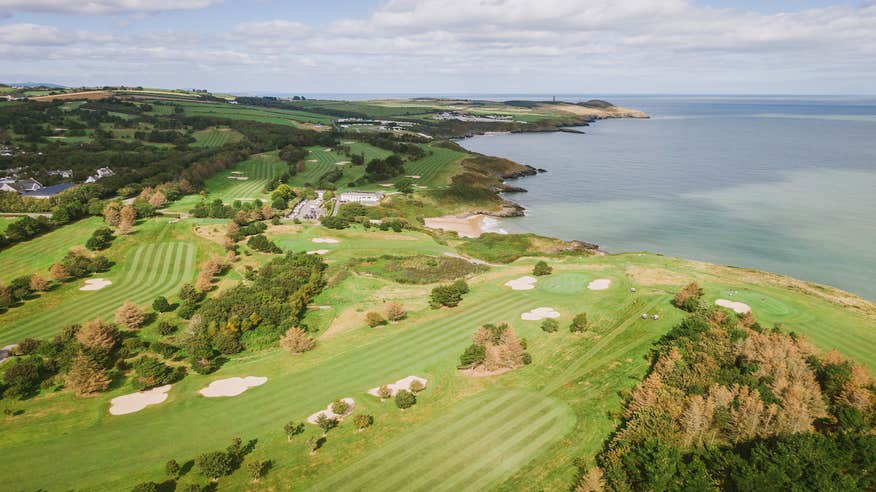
{"x": 785, "y": 184}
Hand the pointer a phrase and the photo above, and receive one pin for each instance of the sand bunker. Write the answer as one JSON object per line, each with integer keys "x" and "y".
{"x": 332, "y": 415}
{"x": 413, "y": 176}
{"x": 401, "y": 384}
{"x": 522, "y": 283}
{"x": 312, "y": 160}
{"x": 387, "y": 185}
{"x": 324, "y": 240}
{"x": 739, "y": 307}
{"x": 599, "y": 284}
{"x": 326, "y": 150}
{"x": 135, "y": 402}
{"x": 342, "y": 163}
{"x": 541, "y": 313}
{"x": 95, "y": 284}
{"x": 318, "y": 252}
{"x": 231, "y": 386}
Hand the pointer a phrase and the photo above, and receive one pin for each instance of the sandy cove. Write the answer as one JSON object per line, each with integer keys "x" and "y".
{"x": 471, "y": 225}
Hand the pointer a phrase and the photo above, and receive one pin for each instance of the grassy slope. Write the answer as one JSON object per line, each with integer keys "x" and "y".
{"x": 516, "y": 431}
{"x": 155, "y": 260}
{"x": 216, "y": 137}
{"x": 259, "y": 168}
{"x": 38, "y": 254}
{"x": 265, "y": 115}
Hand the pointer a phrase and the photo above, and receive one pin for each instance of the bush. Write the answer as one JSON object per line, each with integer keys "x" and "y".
{"x": 550, "y": 325}
{"x": 100, "y": 239}
{"x": 416, "y": 386}
{"x": 363, "y": 421}
{"x": 448, "y": 295}
{"x": 151, "y": 372}
{"x": 374, "y": 319}
{"x": 215, "y": 464}
{"x": 335, "y": 222}
{"x": 473, "y": 355}
{"x": 297, "y": 341}
{"x": 160, "y": 305}
{"x": 165, "y": 328}
{"x": 579, "y": 323}
{"x": 688, "y": 298}
{"x": 405, "y": 399}
{"x": 130, "y": 316}
{"x": 340, "y": 407}
{"x": 384, "y": 392}
{"x": 541, "y": 269}
{"x": 261, "y": 243}
{"x": 395, "y": 311}
{"x": 187, "y": 311}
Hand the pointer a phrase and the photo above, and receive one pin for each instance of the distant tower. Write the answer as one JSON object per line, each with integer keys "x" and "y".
{"x": 555, "y": 98}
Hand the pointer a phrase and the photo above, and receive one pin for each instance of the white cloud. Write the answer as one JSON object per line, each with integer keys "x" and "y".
{"x": 103, "y": 6}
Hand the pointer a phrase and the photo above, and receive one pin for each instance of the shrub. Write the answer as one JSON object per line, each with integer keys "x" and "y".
{"x": 374, "y": 319}
{"x": 405, "y": 399}
{"x": 395, "y": 311}
{"x": 187, "y": 311}
{"x": 130, "y": 316}
{"x": 100, "y": 239}
{"x": 335, "y": 222}
{"x": 384, "y": 392}
{"x": 550, "y": 325}
{"x": 160, "y": 305}
{"x": 261, "y": 243}
{"x": 448, "y": 295}
{"x": 151, "y": 372}
{"x": 297, "y": 341}
{"x": 256, "y": 469}
{"x": 326, "y": 423}
{"x": 340, "y": 407}
{"x": 292, "y": 429}
{"x": 688, "y": 298}
{"x": 146, "y": 487}
{"x": 86, "y": 376}
{"x": 172, "y": 469}
{"x": 363, "y": 421}
{"x": 98, "y": 334}
{"x": 541, "y": 269}
{"x": 227, "y": 343}
{"x": 417, "y": 386}
{"x": 215, "y": 464}
{"x": 165, "y": 328}
{"x": 579, "y": 323}
{"x": 473, "y": 355}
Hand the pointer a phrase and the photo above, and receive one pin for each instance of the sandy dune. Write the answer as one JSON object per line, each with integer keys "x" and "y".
{"x": 541, "y": 313}
{"x": 522, "y": 283}
{"x": 739, "y": 307}
{"x": 324, "y": 240}
{"x": 95, "y": 284}
{"x": 401, "y": 384}
{"x": 135, "y": 402}
{"x": 332, "y": 415}
{"x": 599, "y": 284}
{"x": 231, "y": 386}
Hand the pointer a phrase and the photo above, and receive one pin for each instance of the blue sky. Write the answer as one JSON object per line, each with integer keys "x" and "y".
{"x": 446, "y": 46}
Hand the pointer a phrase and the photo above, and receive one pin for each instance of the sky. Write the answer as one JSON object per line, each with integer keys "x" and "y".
{"x": 446, "y": 46}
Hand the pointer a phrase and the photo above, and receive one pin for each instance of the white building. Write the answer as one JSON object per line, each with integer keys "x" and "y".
{"x": 100, "y": 173}
{"x": 363, "y": 197}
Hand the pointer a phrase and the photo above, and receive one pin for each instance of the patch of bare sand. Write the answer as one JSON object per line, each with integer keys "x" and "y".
{"x": 318, "y": 252}
{"x": 401, "y": 384}
{"x": 480, "y": 372}
{"x": 95, "y": 284}
{"x": 656, "y": 276}
{"x": 599, "y": 284}
{"x": 539, "y": 314}
{"x": 231, "y": 386}
{"x": 332, "y": 415}
{"x": 522, "y": 283}
{"x": 738, "y": 307}
{"x": 134, "y": 402}
{"x": 326, "y": 240}
{"x": 464, "y": 226}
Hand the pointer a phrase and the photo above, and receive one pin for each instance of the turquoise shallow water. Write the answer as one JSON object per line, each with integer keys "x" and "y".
{"x": 780, "y": 184}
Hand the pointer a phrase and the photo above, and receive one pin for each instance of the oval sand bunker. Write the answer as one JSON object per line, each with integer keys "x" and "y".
{"x": 318, "y": 252}
{"x": 135, "y": 402}
{"x": 522, "y": 283}
{"x": 541, "y": 313}
{"x": 231, "y": 386}
{"x": 599, "y": 284}
{"x": 739, "y": 307}
{"x": 327, "y": 240}
{"x": 95, "y": 284}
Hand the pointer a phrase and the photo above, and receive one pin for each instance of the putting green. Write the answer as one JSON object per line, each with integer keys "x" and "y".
{"x": 565, "y": 283}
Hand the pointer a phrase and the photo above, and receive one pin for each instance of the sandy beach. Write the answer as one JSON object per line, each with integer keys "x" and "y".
{"x": 466, "y": 225}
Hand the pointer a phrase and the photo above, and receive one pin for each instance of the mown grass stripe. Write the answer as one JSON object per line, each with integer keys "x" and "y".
{"x": 458, "y": 419}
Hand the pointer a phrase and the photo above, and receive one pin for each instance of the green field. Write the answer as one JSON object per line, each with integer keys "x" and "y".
{"x": 435, "y": 169}
{"x": 258, "y": 170}
{"x": 38, "y": 254}
{"x": 265, "y": 115}
{"x": 517, "y": 431}
{"x": 215, "y": 137}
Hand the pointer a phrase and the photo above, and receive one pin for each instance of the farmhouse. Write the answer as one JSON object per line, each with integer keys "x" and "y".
{"x": 100, "y": 173}
{"x": 48, "y": 191}
{"x": 19, "y": 185}
{"x": 363, "y": 197}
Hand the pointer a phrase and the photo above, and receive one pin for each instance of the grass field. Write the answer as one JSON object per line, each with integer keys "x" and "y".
{"x": 4, "y": 223}
{"x": 435, "y": 169}
{"x": 216, "y": 137}
{"x": 259, "y": 169}
{"x": 264, "y": 115}
{"x": 518, "y": 431}
{"x": 156, "y": 260}
{"x": 38, "y": 254}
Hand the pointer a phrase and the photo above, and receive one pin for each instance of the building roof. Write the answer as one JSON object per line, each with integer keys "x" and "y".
{"x": 24, "y": 185}
{"x": 49, "y": 190}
